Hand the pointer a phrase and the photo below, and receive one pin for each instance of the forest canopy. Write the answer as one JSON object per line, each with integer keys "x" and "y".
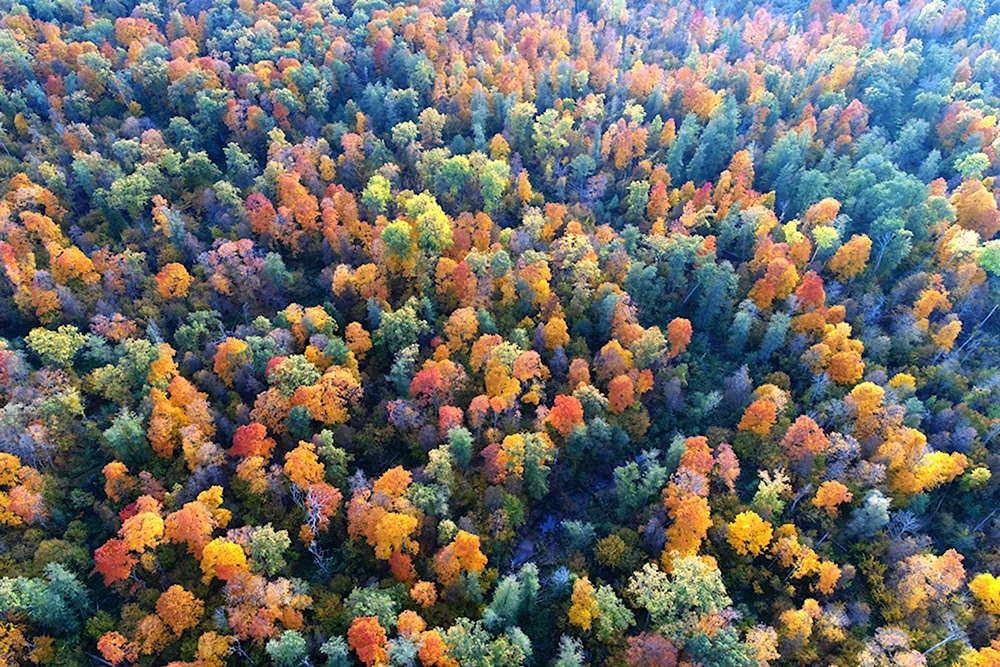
{"x": 492, "y": 334}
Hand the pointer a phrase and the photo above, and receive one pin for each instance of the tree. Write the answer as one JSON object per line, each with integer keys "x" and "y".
{"x": 584, "y": 608}
{"x": 179, "y": 609}
{"x": 804, "y": 438}
{"x": 749, "y": 534}
{"x": 851, "y": 258}
{"x": 986, "y": 588}
{"x": 222, "y": 558}
{"x": 114, "y": 561}
{"x": 566, "y": 414}
{"x": 759, "y": 417}
{"x": 678, "y": 602}
{"x": 367, "y": 638}
{"x": 830, "y": 495}
{"x": 287, "y": 650}
{"x": 173, "y": 281}
{"x": 650, "y": 650}
{"x": 679, "y": 333}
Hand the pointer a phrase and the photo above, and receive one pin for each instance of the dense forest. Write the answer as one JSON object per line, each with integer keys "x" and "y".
{"x": 475, "y": 334}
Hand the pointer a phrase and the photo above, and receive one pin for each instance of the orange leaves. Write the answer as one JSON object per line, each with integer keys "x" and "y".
{"x": 367, "y": 638}
{"x": 193, "y": 524}
{"x": 679, "y": 335}
{"x": 851, "y": 258}
{"x": 830, "y": 495}
{"x": 230, "y": 354}
{"x": 302, "y": 466}
{"x": 117, "y": 481}
{"x": 976, "y": 208}
{"x": 299, "y": 202}
{"x": 179, "y": 609}
{"x": 804, "y": 438}
{"x": 329, "y": 399}
{"x": 462, "y": 555}
{"x": 116, "y": 648}
{"x": 173, "y": 281}
{"x": 424, "y": 593}
{"x": 358, "y": 340}
{"x": 461, "y": 328}
{"x": 759, "y": 417}
{"x": 255, "y": 605}
{"x": 778, "y": 282}
{"x": 749, "y": 534}
{"x": 384, "y": 516}
{"x": 322, "y": 501}
{"x": 566, "y": 413}
{"x": 691, "y": 520}
{"x": 935, "y": 297}
{"x": 433, "y": 650}
{"x": 621, "y": 394}
{"x": 394, "y": 482}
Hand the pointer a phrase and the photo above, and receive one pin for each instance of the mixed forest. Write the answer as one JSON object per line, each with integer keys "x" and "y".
{"x": 492, "y": 334}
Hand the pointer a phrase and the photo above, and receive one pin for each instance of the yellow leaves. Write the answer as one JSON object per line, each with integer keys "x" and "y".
{"x": 145, "y": 529}
{"x": 231, "y": 352}
{"x": 829, "y": 575}
{"x": 937, "y": 468}
{"x": 392, "y": 534}
{"x": 466, "y": 549}
{"x": 866, "y": 399}
{"x": 584, "y": 607}
{"x": 394, "y": 482}
{"x": 986, "y": 588}
{"x": 903, "y": 383}
{"x": 303, "y": 467}
{"x": 749, "y": 534}
{"x": 222, "y": 558}
{"x": 797, "y": 624}
{"x": 946, "y": 335}
{"x": 213, "y": 649}
{"x": 555, "y": 333}
{"x": 251, "y": 471}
